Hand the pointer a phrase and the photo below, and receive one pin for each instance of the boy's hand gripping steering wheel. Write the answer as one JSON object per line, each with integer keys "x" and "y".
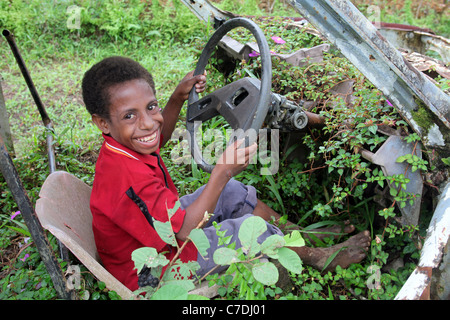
{"x": 243, "y": 103}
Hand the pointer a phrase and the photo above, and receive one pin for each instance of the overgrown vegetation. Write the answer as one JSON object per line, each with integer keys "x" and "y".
{"x": 322, "y": 178}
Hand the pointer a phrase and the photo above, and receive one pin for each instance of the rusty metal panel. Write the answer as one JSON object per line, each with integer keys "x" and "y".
{"x": 205, "y": 11}
{"x": 432, "y": 273}
{"x": 417, "y": 41}
{"x": 423, "y": 105}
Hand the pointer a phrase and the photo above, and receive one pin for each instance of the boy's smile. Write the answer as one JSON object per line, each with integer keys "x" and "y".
{"x": 134, "y": 117}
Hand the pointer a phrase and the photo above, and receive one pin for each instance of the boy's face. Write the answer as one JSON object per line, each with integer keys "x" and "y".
{"x": 135, "y": 120}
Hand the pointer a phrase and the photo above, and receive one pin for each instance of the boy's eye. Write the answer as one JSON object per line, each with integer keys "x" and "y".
{"x": 152, "y": 107}
{"x": 129, "y": 116}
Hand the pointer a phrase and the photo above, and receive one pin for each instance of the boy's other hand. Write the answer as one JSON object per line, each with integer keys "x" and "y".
{"x": 185, "y": 86}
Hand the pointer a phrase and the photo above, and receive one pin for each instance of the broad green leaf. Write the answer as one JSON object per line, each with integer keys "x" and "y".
{"x": 290, "y": 260}
{"x": 393, "y": 192}
{"x": 271, "y": 245}
{"x": 373, "y": 129}
{"x": 181, "y": 270}
{"x": 164, "y": 230}
{"x": 186, "y": 284}
{"x": 294, "y": 239}
{"x": 222, "y": 291}
{"x": 148, "y": 257}
{"x": 197, "y": 297}
{"x": 249, "y": 233}
{"x": 225, "y": 256}
{"x": 200, "y": 240}
{"x": 170, "y": 292}
{"x": 266, "y": 273}
{"x": 446, "y": 161}
{"x": 172, "y": 211}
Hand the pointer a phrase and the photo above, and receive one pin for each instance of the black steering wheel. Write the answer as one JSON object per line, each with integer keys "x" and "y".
{"x": 243, "y": 103}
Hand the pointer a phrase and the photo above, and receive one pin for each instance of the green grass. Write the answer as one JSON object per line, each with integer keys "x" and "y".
{"x": 167, "y": 40}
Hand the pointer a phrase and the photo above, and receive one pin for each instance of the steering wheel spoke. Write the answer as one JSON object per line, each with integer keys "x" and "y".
{"x": 236, "y": 102}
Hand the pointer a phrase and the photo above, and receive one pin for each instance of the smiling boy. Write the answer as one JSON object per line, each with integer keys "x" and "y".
{"x": 132, "y": 186}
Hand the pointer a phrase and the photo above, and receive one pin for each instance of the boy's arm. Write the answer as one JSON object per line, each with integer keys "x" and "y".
{"x": 233, "y": 161}
{"x": 176, "y": 101}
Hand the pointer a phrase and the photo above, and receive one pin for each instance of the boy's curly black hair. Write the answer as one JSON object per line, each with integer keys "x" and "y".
{"x": 106, "y": 73}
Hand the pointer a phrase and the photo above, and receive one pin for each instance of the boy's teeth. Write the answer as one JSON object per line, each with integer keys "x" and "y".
{"x": 148, "y": 138}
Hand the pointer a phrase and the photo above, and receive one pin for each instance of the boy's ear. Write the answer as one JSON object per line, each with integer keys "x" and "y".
{"x": 101, "y": 123}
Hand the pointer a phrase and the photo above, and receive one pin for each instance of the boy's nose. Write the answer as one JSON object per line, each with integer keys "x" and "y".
{"x": 147, "y": 122}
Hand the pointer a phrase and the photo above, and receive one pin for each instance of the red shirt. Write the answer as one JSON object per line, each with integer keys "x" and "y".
{"x": 129, "y": 190}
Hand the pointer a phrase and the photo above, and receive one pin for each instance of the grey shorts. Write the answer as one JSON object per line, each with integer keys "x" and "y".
{"x": 236, "y": 203}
